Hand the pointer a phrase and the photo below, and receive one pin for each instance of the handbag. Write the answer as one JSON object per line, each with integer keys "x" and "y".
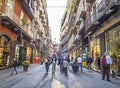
{"x": 62, "y": 68}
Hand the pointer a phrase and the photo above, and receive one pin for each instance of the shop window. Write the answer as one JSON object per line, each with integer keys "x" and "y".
{"x": 5, "y": 44}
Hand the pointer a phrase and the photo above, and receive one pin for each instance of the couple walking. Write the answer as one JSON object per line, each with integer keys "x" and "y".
{"x": 52, "y": 61}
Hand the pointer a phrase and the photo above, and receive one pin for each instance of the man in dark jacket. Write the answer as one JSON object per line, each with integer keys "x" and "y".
{"x": 89, "y": 63}
{"x": 14, "y": 64}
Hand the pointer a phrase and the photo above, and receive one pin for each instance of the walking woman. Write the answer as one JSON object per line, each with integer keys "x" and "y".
{"x": 47, "y": 65}
{"x": 14, "y": 64}
{"x": 65, "y": 63}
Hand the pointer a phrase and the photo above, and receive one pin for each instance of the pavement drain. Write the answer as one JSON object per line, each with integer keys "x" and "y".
{"x": 56, "y": 84}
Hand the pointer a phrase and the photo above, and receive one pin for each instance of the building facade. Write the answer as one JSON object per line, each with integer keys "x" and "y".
{"x": 95, "y": 30}
{"x": 19, "y": 35}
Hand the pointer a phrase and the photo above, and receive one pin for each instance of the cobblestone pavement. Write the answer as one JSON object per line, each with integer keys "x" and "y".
{"x": 36, "y": 77}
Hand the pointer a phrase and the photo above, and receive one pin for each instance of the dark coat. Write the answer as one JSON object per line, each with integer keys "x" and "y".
{"x": 14, "y": 64}
{"x": 89, "y": 60}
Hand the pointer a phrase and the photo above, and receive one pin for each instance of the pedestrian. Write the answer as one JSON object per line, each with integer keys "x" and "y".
{"x": 54, "y": 60}
{"x": 47, "y": 65}
{"x": 98, "y": 60}
{"x": 75, "y": 66}
{"x": 69, "y": 63}
{"x": 61, "y": 61}
{"x": 8, "y": 61}
{"x": 89, "y": 63}
{"x": 71, "y": 60}
{"x": 14, "y": 65}
{"x": 106, "y": 62}
{"x": 65, "y": 63}
{"x": 79, "y": 59}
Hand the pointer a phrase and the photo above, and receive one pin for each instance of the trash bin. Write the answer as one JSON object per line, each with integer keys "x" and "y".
{"x": 84, "y": 64}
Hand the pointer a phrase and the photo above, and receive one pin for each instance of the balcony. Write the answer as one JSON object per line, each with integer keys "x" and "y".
{"x": 90, "y": 1}
{"x": 90, "y": 22}
{"x": 9, "y": 18}
{"x": 27, "y": 8}
{"x": 83, "y": 14}
{"x": 77, "y": 39}
{"x": 77, "y": 2}
{"x": 78, "y": 19}
{"x": 81, "y": 28}
{"x": 106, "y": 9}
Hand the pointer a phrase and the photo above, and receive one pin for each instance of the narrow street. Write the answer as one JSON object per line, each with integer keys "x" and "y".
{"x": 37, "y": 78}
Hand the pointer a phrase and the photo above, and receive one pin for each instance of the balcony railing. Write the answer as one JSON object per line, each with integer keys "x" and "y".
{"x": 92, "y": 19}
{"x": 28, "y": 7}
{"x": 102, "y": 9}
{"x": 76, "y": 39}
{"x": 90, "y": 1}
{"x": 9, "y": 13}
{"x": 104, "y": 6}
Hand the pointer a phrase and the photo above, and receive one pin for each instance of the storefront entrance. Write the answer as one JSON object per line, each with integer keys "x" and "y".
{"x": 113, "y": 47}
{"x": 95, "y": 52}
{"x": 5, "y": 47}
{"x": 20, "y": 53}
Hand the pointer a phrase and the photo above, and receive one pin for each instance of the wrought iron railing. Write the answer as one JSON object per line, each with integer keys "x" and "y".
{"x": 8, "y": 12}
{"x": 101, "y": 9}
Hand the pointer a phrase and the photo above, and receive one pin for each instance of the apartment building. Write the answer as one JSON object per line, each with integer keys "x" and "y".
{"x": 102, "y": 29}
{"x": 64, "y": 28}
{"x": 93, "y": 28}
{"x": 23, "y": 30}
{"x": 16, "y": 29}
{"x": 42, "y": 35}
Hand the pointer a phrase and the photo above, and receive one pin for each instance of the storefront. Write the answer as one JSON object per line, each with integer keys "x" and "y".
{"x": 113, "y": 47}
{"x": 95, "y": 52}
{"x": 5, "y": 50}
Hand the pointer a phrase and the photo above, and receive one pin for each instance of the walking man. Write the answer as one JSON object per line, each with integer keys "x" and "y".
{"x": 54, "y": 60}
{"x": 79, "y": 59}
{"x": 89, "y": 63}
{"x": 14, "y": 66}
{"x": 106, "y": 62}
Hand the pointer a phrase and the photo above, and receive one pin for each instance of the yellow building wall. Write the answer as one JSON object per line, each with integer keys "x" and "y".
{"x": 29, "y": 50}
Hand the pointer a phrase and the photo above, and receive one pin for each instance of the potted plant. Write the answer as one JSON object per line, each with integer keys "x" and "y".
{"x": 25, "y": 65}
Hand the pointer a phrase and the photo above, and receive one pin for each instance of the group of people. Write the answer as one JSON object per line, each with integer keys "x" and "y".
{"x": 106, "y": 61}
{"x": 48, "y": 61}
{"x": 64, "y": 63}
{"x": 61, "y": 61}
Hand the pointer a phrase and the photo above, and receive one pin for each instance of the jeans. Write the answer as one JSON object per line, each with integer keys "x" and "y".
{"x": 14, "y": 69}
{"x": 80, "y": 65}
{"x": 47, "y": 67}
{"x": 53, "y": 68}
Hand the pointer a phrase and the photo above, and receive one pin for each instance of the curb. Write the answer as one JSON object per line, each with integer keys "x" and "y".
{"x": 116, "y": 77}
